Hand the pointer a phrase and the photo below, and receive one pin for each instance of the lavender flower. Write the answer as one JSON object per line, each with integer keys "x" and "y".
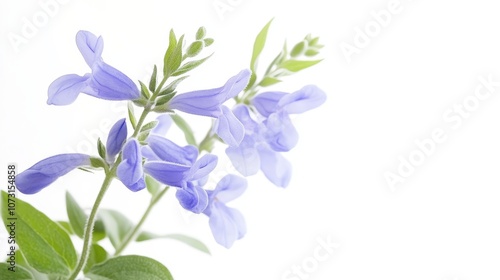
{"x": 273, "y": 133}
{"x": 105, "y": 82}
{"x": 210, "y": 103}
{"x": 48, "y": 170}
{"x": 227, "y": 224}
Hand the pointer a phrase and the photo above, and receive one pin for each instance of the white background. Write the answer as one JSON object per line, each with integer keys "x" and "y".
{"x": 441, "y": 223}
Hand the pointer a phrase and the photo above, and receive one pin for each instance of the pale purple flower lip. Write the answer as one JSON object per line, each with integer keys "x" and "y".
{"x": 105, "y": 81}
{"x": 227, "y": 224}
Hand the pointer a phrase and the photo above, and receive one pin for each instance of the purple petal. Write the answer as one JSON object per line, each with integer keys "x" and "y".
{"x": 148, "y": 153}
{"x": 305, "y": 99}
{"x": 236, "y": 84}
{"x": 64, "y": 90}
{"x": 229, "y": 128}
{"x": 242, "y": 113}
{"x": 230, "y": 187}
{"x": 202, "y": 167}
{"x": 90, "y": 46}
{"x": 266, "y": 103}
{"x": 276, "y": 168}
{"x": 164, "y": 124}
{"x": 245, "y": 157}
{"x": 281, "y": 134}
{"x": 192, "y": 198}
{"x": 227, "y": 224}
{"x": 202, "y": 102}
{"x": 168, "y": 173}
{"x": 169, "y": 151}
{"x": 130, "y": 171}
{"x": 111, "y": 84}
{"x": 48, "y": 170}
{"x": 116, "y": 137}
{"x": 208, "y": 102}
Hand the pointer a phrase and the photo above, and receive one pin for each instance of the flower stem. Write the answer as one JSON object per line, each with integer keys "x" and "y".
{"x": 132, "y": 234}
{"x": 89, "y": 227}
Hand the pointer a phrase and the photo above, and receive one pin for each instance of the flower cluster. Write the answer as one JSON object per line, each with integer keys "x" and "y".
{"x": 256, "y": 131}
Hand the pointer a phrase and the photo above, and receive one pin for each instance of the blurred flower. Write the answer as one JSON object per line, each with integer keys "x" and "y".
{"x": 105, "y": 82}
{"x": 272, "y": 134}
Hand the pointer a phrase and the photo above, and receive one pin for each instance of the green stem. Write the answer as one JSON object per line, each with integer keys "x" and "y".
{"x": 132, "y": 234}
{"x": 87, "y": 235}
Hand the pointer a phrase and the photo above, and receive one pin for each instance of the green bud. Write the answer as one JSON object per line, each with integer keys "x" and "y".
{"x": 101, "y": 149}
{"x": 298, "y": 49}
{"x": 208, "y": 41}
{"x": 194, "y": 49}
{"x": 200, "y": 34}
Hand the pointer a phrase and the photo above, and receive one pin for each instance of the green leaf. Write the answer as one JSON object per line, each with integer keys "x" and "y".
{"x": 19, "y": 273}
{"x": 175, "y": 59}
{"x": 172, "y": 86}
{"x": 172, "y": 44}
{"x": 131, "y": 115}
{"x": 258, "y": 45}
{"x": 311, "y": 52}
{"x": 76, "y": 215}
{"x": 116, "y": 225}
{"x": 194, "y": 49}
{"x": 268, "y": 81}
{"x": 184, "y": 126}
{"x": 97, "y": 162}
{"x": 152, "y": 185}
{"x": 141, "y": 102}
{"x": 298, "y": 49}
{"x": 129, "y": 268}
{"x": 208, "y": 41}
{"x": 297, "y": 65}
{"x": 46, "y": 246}
{"x": 150, "y": 125}
{"x": 190, "y": 66}
{"x": 97, "y": 255}
{"x": 99, "y": 231}
{"x": 188, "y": 240}
{"x": 66, "y": 226}
{"x": 144, "y": 90}
{"x": 200, "y": 34}
{"x": 152, "y": 81}
{"x": 164, "y": 99}
{"x": 101, "y": 149}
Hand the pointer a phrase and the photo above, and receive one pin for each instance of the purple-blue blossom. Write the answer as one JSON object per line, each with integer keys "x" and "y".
{"x": 227, "y": 224}
{"x": 272, "y": 133}
{"x": 130, "y": 171}
{"x": 46, "y": 171}
{"x": 116, "y": 138}
{"x": 104, "y": 82}
{"x": 210, "y": 103}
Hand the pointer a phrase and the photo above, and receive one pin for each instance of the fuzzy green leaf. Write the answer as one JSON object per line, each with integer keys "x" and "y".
{"x": 129, "y": 268}
{"x": 46, "y": 246}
